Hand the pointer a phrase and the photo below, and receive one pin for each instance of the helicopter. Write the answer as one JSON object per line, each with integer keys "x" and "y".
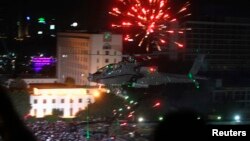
{"x": 140, "y": 74}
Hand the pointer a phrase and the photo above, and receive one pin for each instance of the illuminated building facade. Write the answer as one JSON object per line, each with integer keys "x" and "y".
{"x": 68, "y": 100}
{"x": 79, "y": 54}
{"x": 39, "y": 62}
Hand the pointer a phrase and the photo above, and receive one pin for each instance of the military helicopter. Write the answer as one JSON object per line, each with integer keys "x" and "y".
{"x": 140, "y": 74}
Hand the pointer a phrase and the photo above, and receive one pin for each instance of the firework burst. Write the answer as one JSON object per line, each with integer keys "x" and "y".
{"x": 151, "y": 23}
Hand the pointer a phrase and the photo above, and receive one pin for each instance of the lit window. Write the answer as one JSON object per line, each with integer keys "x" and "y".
{"x": 52, "y": 27}
{"x": 39, "y": 32}
{"x": 64, "y": 55}
{"x": 35, "y": 112}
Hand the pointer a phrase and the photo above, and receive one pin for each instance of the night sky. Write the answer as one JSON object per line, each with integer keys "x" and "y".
{"x": 93, "y": 13}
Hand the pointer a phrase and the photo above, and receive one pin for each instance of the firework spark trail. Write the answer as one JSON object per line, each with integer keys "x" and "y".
{"x": 152, "y": 20}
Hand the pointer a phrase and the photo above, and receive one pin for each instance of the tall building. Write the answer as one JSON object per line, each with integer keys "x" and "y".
{"x": 79, "y": 54}
{"x": 225, "y": 41}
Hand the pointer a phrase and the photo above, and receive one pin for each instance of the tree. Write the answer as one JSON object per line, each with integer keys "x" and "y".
{"x": 102, "y": 107}
{"x": 19, "y": 96}
{"x": 69, "y": 81}
{"x": 18, "y": 84}
{"x": 21, "y": 102}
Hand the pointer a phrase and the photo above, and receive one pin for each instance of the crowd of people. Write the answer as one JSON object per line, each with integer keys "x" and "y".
{"x": 55, "y": 131}
{"x": 61, "y": 131}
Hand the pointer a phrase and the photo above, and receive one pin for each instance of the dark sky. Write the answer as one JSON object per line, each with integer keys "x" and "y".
{"x": 229, "y": 8}
{"x": 93, "y": 13}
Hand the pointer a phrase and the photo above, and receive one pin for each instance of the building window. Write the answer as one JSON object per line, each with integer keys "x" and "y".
{"x": 98, "y": 52}
{"x": 106, "y": 52}
{"x": 106, "y": 46}
{"x": 44, "y": 111}
{"x": 80, "y": 100}
{"x": 115, "y": 60}
{"x": 53, "y": 101}
{"x": 44, "y": 101}
{"x": 35, "y": 101}
{"x": 35, "y": 112}
{"x": 71, "y": 100}
{"x": 115, "y": 53}
{"x": 106, "y": 60}
{"x": 62, "y": 100}
{"x": 97, "y": 60}
{"x": 71, "y": 111}
{"x": 87, "y": 91}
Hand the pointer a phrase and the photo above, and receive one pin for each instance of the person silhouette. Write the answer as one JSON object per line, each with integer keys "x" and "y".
{"x": 12, "y": 128}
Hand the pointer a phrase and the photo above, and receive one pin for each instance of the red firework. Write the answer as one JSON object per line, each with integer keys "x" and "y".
{"x": 153, "y": 22}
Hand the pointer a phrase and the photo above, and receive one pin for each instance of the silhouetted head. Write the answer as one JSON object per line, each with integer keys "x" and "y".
{"x": 178, "y": 124}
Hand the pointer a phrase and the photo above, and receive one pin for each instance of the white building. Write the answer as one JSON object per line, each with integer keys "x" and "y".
{"x": 79, "y": 54}
{"x": 67, "y": 100}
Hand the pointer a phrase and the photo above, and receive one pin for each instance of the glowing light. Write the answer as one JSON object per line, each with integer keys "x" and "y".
{"x": 126, "y": 97}
{"x": 179, "y": 44}
{"x": 39, "y": 62}
{"x": 152, "y": 69}
{"x": 52, "y": 27}
{"x": 150, "y": 21}
{"x": 140, "y": 119}
{"x": 39, "y": 32}
{"x": 157, "y": 104}
{"x": 162, "y": 41}
{"x": 41, "y": 20}
{"x": 237, "y": 118}
{"x": 219, "y": 118}
{"x": 96, "y": 94}
{"x": 74, "y": 24}
{"x": 160, "y": 118}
